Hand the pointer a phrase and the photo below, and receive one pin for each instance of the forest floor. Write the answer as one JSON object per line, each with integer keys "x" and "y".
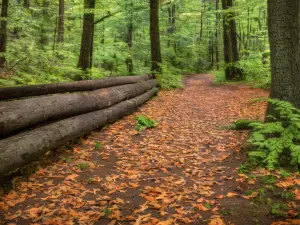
{"x": 184, "y": 171}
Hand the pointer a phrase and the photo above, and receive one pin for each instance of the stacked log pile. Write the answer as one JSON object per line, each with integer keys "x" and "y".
{"x": 29, "y": 127}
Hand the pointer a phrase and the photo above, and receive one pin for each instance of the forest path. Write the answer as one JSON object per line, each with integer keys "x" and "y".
{"x": 182, "y": 171}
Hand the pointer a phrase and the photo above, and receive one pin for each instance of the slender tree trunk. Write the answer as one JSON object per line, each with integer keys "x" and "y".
{"x": 172, "y": 20}
{"x": 3, "y": 34}
{"x": 284, "y": 35}
{"x": 44, "y": 39}
{"x": 26, "y": 4}
{"x": 155, "y": 36}
{"x": 86, "y": 50}
{"x": 217, "y": 34}
{"x": 202, "y": 19}
{"x": 231, "y": 54}
{"x": 129, "y": 34}
{"x": 61, "y": 19}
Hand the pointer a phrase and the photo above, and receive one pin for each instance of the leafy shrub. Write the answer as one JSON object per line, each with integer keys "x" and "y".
{"x": 243, "y": 124}
{"x": 144, "y": 122}
{"x": 170, "y": 78}
{"x": 277, "y": 142}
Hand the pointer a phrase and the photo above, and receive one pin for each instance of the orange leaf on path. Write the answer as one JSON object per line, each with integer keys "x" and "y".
{"x": 216, "y": 221}
{"x": 72, "y": 176}
{"x": 232, "y": 194}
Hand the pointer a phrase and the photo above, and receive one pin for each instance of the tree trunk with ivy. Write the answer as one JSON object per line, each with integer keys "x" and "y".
{"x": 284, "y": 28}
{"x": 155, "y": 36}
{"x": 86, "y": 50}
{"x": 231, "y": 54}
{"x": 3, "y": 34}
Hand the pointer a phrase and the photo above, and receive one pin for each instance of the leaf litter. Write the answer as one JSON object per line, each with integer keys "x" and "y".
{"x": 182, "y": 171}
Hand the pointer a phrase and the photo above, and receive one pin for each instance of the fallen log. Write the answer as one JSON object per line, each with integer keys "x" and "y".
{"x": 18, "y": 150}
{"x": 19, "y": 114}
{"x": 76, "y": 86}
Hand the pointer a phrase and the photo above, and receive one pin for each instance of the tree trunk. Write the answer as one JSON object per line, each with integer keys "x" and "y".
{"x": 202, "y": 19}
{"x": 86, "y": 85}
{"x": 129, "y": 34}
{"x": 86, "y": 50}
{"x": 172, "y": 20}
{"x": 61, "y": 19}
{"x": 3, "y": 34}
{"x": 26, "y": 4}
{"x": 23, "y": 148}
{"x": 217, "y": 34}
{"x": 44, "y": 39}
{"x": 20, "y": 114}
{"x": 231, "y": 54}
{"x": 155, "y": 36}
{"x": 284, "y": 28}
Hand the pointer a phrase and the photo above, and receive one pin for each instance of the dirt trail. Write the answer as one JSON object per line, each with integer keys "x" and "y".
{"x": 184, "y": 171}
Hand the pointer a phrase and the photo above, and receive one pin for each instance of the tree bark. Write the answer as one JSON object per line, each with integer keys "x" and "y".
{"x": 61, "y": 19}
{"x": 44, "y": 39}
{"x": 3, "y": 34}
{"x": 202, "y": 19}
{"x": 26, "y": 4}
{"x": 155, "y": 36}
{"x": 129, "y": 35}
{"x": 87, "y": 85}
{"x": 284, "y": 35}
{"x": 231, "y": 54}
{"x": 20, "y": 114}
{"x": 86, "y": 50}
{"x": 217, "y": 35}
{"x": 23, "y": 148}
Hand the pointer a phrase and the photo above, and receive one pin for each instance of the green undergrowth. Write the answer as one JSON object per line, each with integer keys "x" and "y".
{"x": 275, "y": 143}
{"x": 170, "y": 77}
{"x": 143, "y": 122}
{"x": 255, "y": 67}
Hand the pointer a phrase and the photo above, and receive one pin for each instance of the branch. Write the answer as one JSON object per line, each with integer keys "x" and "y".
{"x": 109, "y": 14}
{"x": 21, "y": 60}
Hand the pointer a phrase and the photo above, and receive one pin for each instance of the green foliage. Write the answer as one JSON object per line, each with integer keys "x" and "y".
{"x": 67, "y": 159}
{"x": 107, "y": 212}
{"x": 277, "y": 142}
{"x": 279, "y": 209}
{"x": 243, "y": 124}
{"x": 170, "y": 78}
{"x": 83, "y": 166}
{"x": 256, "y": 70}
{"x": 144, "y": 122}
{"x": 98, "y": 146}
{"x": 219, "y": 76}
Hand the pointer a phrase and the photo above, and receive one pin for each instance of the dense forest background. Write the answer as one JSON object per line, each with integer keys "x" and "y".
{"x": 44, "y": 39}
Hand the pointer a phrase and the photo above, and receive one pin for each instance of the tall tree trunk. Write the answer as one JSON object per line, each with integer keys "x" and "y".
{"x": 217, "y": 34}
{"x": 61, "y": 19}
{"x": 86, "y": 50}
{"x": 284, "y": 35}
{"x": 154, "y": 36}
{"x": 129, "y": 34}
{"x": 3, "y": 34}
{"x": 172, "y": 20}
{"x": 44, "y": 39}
{"x": 202, "y": 19}
{"x": 231, "y": 54}
{"x": 26, "y": 4}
